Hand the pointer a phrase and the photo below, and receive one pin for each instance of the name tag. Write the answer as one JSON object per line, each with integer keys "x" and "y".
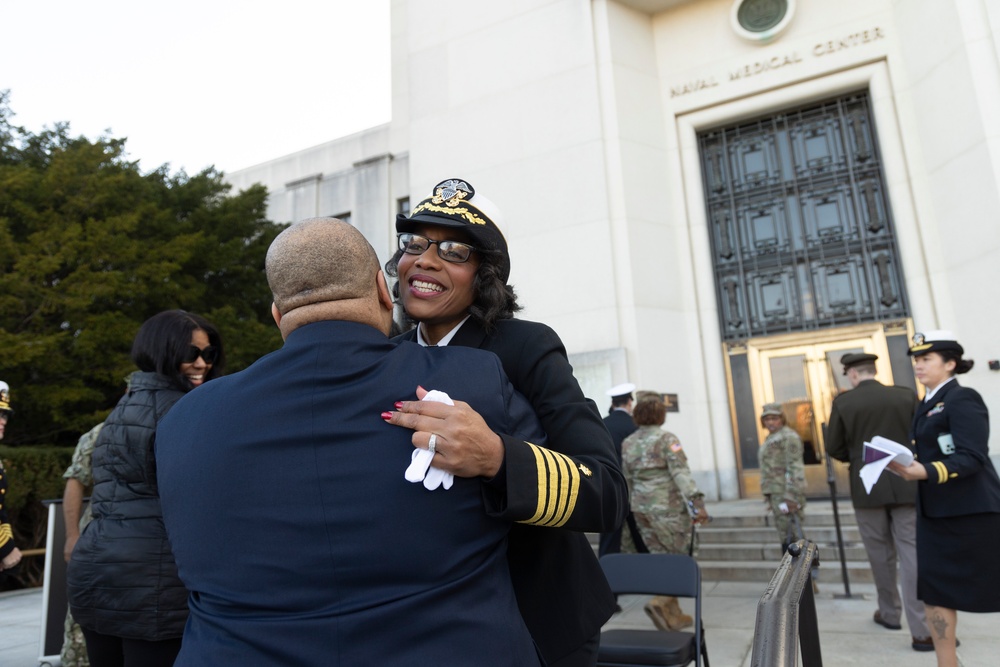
{"x": 946, "y": 444}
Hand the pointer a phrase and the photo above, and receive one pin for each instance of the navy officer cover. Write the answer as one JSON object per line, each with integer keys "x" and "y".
{"x": 297, "y": 536}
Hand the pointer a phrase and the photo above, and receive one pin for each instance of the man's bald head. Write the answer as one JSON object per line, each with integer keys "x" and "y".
{"x": 325, "y": 263}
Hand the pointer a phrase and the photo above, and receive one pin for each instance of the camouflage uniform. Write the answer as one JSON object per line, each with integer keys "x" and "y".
{"x": 74, "y": 648}
{"x": 782, "y": 479}
{"x": 660, "y": 485}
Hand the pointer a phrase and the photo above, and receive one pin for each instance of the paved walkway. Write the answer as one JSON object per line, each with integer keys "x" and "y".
{"x": 847, "y": 634}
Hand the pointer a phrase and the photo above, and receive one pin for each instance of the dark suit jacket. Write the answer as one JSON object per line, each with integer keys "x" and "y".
{"x": 860, "y": 414}
{"x": 964, "y": 482}
{"x": 560, "y": 587}
{"x": 294, "y": 529}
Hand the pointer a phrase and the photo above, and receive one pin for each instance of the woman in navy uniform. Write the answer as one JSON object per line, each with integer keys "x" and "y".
{"x": 958, "y": 497}
{"x": 453, "y": 266}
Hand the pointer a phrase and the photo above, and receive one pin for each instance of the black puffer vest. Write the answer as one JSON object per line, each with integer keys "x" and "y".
{"x": 122, "y": 577}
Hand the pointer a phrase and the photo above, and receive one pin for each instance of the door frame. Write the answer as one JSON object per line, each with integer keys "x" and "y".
{"x": 871, "y": 337}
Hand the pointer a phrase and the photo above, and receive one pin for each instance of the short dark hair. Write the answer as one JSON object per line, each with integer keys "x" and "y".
{"x": 650, "y": 411}
{"x": 163, "y": 341}
{"x": 619, "y": 401}
{"x": 493, "y": 299}
{"x": 961, "y": 365}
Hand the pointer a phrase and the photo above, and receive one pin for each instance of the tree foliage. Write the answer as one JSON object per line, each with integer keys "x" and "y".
{"x": 90, "y": 247}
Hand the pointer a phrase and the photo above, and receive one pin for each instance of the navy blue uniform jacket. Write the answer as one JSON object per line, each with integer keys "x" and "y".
{"x": 298, "y": 537}
{"x": 560, "y": 587}
{"x": 964, "y": 482}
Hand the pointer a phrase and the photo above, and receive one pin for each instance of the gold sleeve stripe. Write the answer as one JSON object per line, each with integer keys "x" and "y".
{"x": 5, "y": 534}
{"x": 542, "y": 487}
{"x": 569, "y": 482}
{"x": 942, "y": 471}
{"x": 558, "y": 487}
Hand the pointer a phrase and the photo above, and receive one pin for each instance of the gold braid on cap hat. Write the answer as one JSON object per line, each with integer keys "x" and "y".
{"x": 463, "y": 212}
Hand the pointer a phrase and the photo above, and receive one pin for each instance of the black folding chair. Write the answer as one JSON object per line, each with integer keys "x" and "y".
{"x": 654, "y": 574}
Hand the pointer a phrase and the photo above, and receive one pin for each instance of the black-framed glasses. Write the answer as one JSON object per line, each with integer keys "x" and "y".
{"x": 210, "y": 354}
{"x": 449, "y": 251}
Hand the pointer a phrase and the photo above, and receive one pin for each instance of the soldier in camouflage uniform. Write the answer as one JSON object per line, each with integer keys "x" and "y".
{"x": 660, "y": 486}
{"x": 782, "y": 474}
{"x": 78, "y": 478}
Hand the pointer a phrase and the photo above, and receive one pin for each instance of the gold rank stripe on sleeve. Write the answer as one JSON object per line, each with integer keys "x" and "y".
{"x": 558, "y": 487}
{"x": 942, "y": 471}
{"x": 5, "y": 534}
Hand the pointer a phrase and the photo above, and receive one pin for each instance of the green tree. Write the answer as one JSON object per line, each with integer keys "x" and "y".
{"x": 90, "y": 247}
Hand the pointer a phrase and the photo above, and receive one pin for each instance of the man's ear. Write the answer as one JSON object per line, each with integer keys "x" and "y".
{"x": 384, "y": 298}
{"x": 276, "y": 314}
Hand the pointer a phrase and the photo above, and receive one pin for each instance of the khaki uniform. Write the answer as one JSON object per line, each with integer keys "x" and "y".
{"x": 782, "y": 479}
{"x": 660, "y": 485}
{"x": 74, "y": 648}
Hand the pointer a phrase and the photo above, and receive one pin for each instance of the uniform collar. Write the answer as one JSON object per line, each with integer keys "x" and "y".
{"x": 935, "y": 390}
{"x": 444, "y": 340}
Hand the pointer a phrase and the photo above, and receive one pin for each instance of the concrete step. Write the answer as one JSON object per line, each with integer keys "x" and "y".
{"x": 765, "y": 534}
{"x": 828, "y": 572}
{"x": 824, "y": 518}
{"x": 741, "y": 543}
{"x": 771, "y": 552}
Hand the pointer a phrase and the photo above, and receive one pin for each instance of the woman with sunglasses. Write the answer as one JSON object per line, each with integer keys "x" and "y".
{"x": 123, "y": 585}
{"x": 452, "y": 267}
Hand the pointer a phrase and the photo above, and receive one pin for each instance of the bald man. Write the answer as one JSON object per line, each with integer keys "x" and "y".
{"x": 284, "y": 496}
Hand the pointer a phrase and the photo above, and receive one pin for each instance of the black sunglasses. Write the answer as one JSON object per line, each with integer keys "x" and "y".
{"x": 210, "y": 354}
{"x": 449, "y": 251}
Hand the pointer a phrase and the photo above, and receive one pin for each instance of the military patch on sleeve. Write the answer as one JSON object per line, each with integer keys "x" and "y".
{"x": 676, "y": 447}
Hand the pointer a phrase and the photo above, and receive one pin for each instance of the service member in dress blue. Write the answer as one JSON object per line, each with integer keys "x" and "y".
{"x": 284, "y": 495}
{"x": 958, "y": 495}
{"x": 620, "y": 425}
{"x": 453, "y": 267}
{"x": 10, "y": 555}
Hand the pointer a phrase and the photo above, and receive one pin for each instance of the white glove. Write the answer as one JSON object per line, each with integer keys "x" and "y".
{"x": 420, "y": 468}
{"x": 783, "y": 506}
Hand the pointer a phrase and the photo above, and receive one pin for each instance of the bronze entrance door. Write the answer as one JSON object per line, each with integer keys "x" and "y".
{"x": 803, "y": 373}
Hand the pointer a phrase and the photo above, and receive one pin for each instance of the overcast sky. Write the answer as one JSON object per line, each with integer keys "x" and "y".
{"x": 199, "y": 82}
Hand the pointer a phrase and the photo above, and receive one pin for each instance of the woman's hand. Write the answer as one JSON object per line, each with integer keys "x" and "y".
{"x": 465, "y": 446}
{"x": 11, "y": 560}
{"x": 913, "y": 472}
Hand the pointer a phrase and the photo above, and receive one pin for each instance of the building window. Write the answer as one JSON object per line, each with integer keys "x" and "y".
{"x": 403, "y": 205}
{"x": 801, "y": 229}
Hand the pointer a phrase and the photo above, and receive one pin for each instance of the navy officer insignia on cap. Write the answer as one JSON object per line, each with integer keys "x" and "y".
{"x": 452, "y": 192}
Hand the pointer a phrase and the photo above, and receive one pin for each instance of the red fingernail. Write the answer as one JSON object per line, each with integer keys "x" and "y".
{"x": 387, "y": 416}
{"x": 398, "y": 405}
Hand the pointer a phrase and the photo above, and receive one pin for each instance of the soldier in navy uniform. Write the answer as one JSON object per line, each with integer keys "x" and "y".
{"x": 887, "y": 518}
{"x": 620, "y": 425}
{"x": 10, "y": 555}
{"x": 958, "y": 495}
{"x": 453, "y": 267}
{"x": 284, "y": 496}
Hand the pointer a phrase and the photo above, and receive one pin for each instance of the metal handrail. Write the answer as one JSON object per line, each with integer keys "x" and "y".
{"x": 786, "y": 613}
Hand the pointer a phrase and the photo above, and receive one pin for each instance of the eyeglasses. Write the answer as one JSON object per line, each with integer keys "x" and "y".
{"x": 449, "y": 251}
{"x": 210, "y": 354}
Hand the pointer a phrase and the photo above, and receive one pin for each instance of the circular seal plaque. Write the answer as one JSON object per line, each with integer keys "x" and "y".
{"x": 761, "y": 20}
